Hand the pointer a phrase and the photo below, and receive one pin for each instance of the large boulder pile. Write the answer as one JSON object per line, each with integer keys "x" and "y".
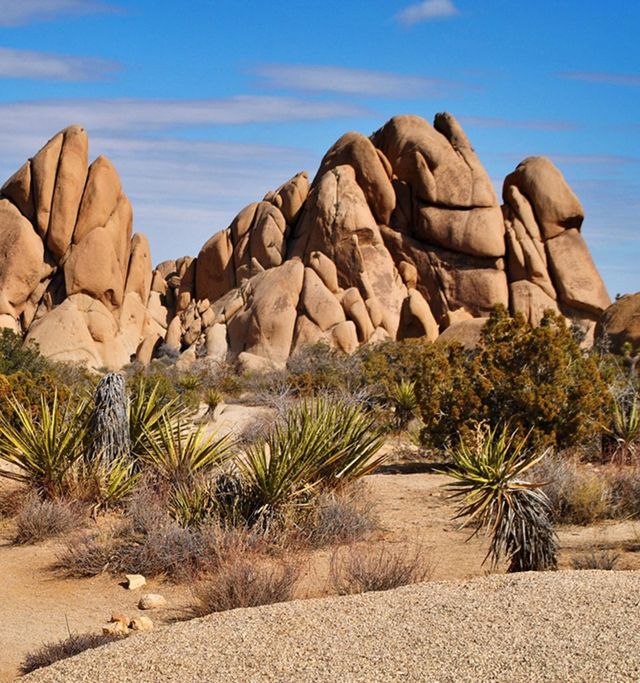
{"x": 620, "y": 324}
{"x": 73, "y": 278}
{"x": 398, "y": 235}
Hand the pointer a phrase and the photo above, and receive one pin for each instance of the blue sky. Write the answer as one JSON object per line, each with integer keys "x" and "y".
{"x": 205, "y": 105}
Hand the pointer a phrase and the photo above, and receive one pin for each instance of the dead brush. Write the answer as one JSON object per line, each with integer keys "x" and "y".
{"x": 245, "y": 580}
{"x": 364, "y": 568}
{"x": 50, "y": 653}
{"x": 342, "y": 516}
{"x": 597, "y": 558}
{"x": 39, "y": 520}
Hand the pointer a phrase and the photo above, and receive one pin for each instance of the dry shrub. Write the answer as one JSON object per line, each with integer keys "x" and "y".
{"x": 50, "y": 653}
{"x": 170, "y": 550}
{"x": 624, "y": 491}
{"x": 597, "y": 558}
{"x": 340, "y": 517}
{"x": 39, "y": 520}
{"x": 577, "y": 495}
{"x": 12, "y": 498}
{"x": 247, "y": 581}
{"x": 364, "y": 568}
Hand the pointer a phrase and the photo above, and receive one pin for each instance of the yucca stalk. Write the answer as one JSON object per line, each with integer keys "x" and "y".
{"x": 320, "y": 443}
{"x": 515, "y": 512}
{"x": 109, "y": 434}
{"x": 177, "y": 454}
{"x": 147, "y": 410}
{"x": 44, "y": 448}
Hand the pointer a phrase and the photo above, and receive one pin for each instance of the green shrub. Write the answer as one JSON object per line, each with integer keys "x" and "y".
{"x": 537, "y": 378}
{"x": 44, "y": 448}
{"x": 321, "y": 443}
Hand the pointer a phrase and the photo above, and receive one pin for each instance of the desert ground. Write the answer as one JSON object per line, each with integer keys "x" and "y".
{"x": 39, "y": 605}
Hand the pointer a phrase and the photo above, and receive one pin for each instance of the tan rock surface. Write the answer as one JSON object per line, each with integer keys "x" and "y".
{"x": 574, "y": 273}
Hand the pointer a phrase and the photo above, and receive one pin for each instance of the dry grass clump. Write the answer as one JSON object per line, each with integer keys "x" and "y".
{"x": 50, "y": 653}
{"x": 340, "y": 517}
{"x": 247, "y": 581}
{"x": 363, "y": 568}
{"x": 624, "y": 491}
{"x": 597, "y": 558}
{"x": 39, "y": 520}
{"x": 174, "y": 552}
{"x": 577, "y": 495}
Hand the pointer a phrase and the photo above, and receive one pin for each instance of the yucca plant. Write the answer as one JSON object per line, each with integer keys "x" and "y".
{"x": 147, "y": 411}
{"x": 404, "y": 400}
{"x": 516, "y": 513}
{"x": 45, "y": 447}
{"x": 321, "y": 443}
{"x": 104, "y": 482}
{"x": 625, "y": 428}
{"x": 177, "y": 453}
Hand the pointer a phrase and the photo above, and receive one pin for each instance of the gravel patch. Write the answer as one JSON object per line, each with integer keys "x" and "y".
{"x": 555, "y": 626}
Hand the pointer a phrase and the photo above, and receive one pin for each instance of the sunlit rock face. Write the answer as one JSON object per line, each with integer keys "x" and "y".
{"x": 398, "y": 235}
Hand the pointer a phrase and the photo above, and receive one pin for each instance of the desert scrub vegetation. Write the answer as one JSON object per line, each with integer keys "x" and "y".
{"x": 361, "y": 568}
{"x": 247, "y": 581}
{"x": 38, "y": 520}
{"x": 493, "y": 495}
{"x": 537, "y": 378}
{"x": 53, "y": 652}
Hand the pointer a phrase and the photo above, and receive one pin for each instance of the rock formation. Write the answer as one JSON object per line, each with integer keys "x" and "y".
{"x": 620, "y": 324}
{"x": 398, "y": 235}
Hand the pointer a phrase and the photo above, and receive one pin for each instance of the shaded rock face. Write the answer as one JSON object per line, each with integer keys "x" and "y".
{"x": 398, "y": 235}
{"x": 620, "y": 324}
{"x": 72, "y": 276}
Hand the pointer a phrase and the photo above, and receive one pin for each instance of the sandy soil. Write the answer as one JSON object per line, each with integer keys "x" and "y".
{"x": 39, "y": 606}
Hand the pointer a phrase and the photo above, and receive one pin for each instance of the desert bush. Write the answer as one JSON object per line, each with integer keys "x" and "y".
{"x": 16, "y": 356}
{"x": 493, "y": 495}
{"x": 319, "y": 368}
{"x": 537, "y": 376}
{"x": 339, "y": 517}
{"x": 39, "y": 520}
{"x": 623, "y": 491}
{"x": 597, "y": 558}
{"x": 50, "y": 653}
{"x": 246, "y": 581}
{"x": 321, "y": 443}
{"x": 46, "y": 447}
{"x": 364, "y": 568}
{"x": 577, "y": 495}
{"x": 169, "y": 550}
{"x": 389, "y": 363}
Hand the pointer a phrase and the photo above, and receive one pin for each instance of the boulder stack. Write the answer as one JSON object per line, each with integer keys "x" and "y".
{"x": 398, "y": 235}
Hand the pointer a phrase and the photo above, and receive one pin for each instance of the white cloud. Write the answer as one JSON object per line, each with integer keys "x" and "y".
{"x": 525, "y": 124}
{"x": 147, "y": 115}
{"x": 426, "y": 11}
{"x": 182, "y": 190}
{"x": 337, "y": 79}
{"x": 46, "y": 66}
{"x": 19, "y": 12}
{"x": 632, "y": 80}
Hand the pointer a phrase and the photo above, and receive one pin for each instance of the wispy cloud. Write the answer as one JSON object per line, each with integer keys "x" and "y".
{"x": 426, "y": 11}
{"x": 149, "y": 115}
{"x": 527, "y": 124}
{"x": 343, "y": 80}
{"x": 46, "y": 66}
{"x": 182, "y": 190}
{"x": 632, "y": 80}
{"x": 18, "y": 12}
{"x": 596, "y": 159}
